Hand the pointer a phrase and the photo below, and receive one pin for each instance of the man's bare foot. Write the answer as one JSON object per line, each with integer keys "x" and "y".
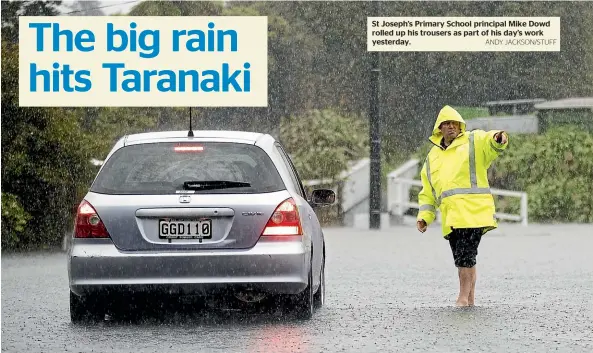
{"x": 461, "y": 302}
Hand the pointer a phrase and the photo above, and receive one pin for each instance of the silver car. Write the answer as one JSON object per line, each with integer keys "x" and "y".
{"x": 219, "y": 211}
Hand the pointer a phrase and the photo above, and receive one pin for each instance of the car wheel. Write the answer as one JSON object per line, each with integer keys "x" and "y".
{"x": 303, "y": 303}
{"x": 84, "y": 309}
{"x": 319, "y": 297}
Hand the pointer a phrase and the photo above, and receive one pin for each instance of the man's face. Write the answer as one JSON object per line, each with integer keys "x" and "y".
{"x": 450, "y": 129}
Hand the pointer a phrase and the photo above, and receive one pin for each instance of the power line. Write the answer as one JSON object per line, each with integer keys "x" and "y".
{"x": 101, "y": 7}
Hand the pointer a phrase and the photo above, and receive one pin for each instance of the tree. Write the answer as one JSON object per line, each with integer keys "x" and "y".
{"x": 177, "y": 8}
{"x": 11, "y": 10}
{"x": 45, "y": 164}
{"x": 112, "y": 123}
{"x": 323, "y": 143}
{"x": 291, "y": 89}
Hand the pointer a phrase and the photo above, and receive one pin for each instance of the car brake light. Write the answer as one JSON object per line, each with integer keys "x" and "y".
{"x": 284, "y": 221}
{"x": 188, "y": 148}
{"x": 88, "y": 224}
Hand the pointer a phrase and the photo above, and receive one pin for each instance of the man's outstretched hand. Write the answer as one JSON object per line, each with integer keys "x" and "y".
{"x": 421, "y": 225}
{"x": 500, "y": 137}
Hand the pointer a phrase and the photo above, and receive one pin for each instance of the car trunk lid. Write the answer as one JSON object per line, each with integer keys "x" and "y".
{"x": 185, "y": 222}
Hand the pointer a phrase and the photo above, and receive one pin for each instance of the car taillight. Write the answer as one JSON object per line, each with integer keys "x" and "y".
{"x": 88, "y": 224}
{"x": 284, "y": 221}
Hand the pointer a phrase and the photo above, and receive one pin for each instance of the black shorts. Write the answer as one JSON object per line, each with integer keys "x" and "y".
{"x": 464, "y": 245}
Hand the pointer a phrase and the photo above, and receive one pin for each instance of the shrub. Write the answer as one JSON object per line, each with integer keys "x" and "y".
{"x": 555, "y": 169}
{"x": 322, "y": 143}
{"x": 14, "y": 220}
{"x": 45, "y": 165}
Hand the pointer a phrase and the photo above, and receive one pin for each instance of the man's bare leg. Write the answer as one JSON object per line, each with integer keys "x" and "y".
{"x": 465, "y": 285}
{"x": 471, "y": 298}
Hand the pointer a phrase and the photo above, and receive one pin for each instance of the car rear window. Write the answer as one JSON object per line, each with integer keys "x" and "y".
{"x": 161, "y": 168}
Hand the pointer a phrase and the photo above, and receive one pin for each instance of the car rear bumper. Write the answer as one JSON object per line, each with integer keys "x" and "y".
{"x": 97, "y": 266}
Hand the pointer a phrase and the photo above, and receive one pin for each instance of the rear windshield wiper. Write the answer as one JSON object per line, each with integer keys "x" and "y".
{"x": 214, "y": 184}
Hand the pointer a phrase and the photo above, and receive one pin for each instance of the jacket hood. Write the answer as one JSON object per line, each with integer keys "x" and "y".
{"x": 446, "y": 114}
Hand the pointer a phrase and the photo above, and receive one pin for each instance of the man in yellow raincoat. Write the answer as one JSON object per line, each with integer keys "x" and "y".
{"x": 455, "y": 181}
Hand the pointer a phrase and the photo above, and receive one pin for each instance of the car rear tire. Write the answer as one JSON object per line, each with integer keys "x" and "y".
{"x": 319, "y": 296}
{"x": 303, "y": 302}
{"x": 83, "y": 309}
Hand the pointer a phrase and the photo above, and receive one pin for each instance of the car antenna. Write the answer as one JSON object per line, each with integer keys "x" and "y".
{"x": 191, "y": 132}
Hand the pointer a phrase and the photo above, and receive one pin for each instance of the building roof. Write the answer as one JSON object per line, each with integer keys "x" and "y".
{"x": 567, "y": 103}
{"x": 517, "y": 101}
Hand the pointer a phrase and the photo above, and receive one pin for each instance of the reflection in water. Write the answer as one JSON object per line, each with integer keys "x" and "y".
{"x": 278, "y": 338}
{"x": 260, "y": 330}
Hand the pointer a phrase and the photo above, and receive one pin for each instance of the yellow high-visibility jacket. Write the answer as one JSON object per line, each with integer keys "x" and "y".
{"x": 455, "y": 180}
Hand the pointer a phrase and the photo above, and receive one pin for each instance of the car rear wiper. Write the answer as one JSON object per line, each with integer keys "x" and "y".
{"x": 213, "y": 184}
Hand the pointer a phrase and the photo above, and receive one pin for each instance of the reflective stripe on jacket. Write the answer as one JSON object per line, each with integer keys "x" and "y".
{"x": 455, "y": 180}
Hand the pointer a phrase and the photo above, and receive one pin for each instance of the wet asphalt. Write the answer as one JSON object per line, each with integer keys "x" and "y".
{"x": 387, "y": 291}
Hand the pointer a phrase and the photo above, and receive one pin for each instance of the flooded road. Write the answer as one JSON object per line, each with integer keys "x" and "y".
{"x": 388, "y": 290}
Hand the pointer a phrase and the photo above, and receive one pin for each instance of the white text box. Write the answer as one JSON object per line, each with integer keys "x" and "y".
{"x": 162, "y": 61}
{"x": 463, "y": 34}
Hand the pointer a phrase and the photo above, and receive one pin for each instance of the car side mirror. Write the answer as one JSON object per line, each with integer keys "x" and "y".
{"x": 323, "y": 197}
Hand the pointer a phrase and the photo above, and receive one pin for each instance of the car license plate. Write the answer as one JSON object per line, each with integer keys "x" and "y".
{"x": 185, "y": 229}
